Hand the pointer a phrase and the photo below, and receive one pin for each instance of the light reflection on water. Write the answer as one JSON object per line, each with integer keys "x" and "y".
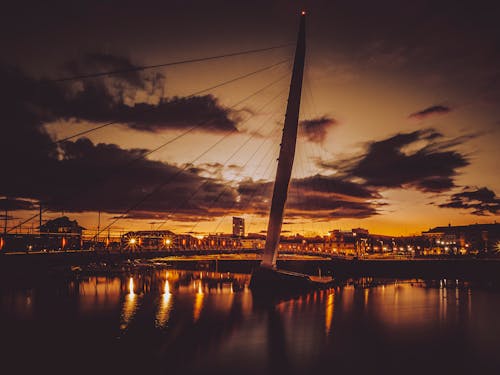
{"x": 165, "y": 305}
{"x": 129, "y": 306}
{"x": 194, "y": 321}
{"x": 330, "y": 306}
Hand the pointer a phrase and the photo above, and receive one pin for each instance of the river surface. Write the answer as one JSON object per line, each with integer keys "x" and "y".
{"x": 182, "y": 322}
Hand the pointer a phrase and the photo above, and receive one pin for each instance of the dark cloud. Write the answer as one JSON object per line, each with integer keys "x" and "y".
{"x": 117, "y": 98}
{"x": 182, "y": 113}
{"x": 91, "y": 63}
{"x": 105, "y": 177}
{"x": 320, "y": 184}
{"x": 314, "y": 197}
{"x": 27, "y": 151}
{"x": 88, "y": 177}
{"x": 315, "y": 130}
{"x": 329, "y": 196}
{"x": 169, "y": 187}
{"x": 16, "y": 204}
{"x": 482, "y": 201}
{"x": 36, "y": 168}
{"x": 79, "y": 175}
{"x": 399, "y": 161}
{"x": 164, "y": 218}
{"x": 134, "y": 99}
{"x": 430, "y": 111}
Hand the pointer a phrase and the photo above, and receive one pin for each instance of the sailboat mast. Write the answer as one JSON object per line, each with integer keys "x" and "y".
{"x": 287, "y": 151}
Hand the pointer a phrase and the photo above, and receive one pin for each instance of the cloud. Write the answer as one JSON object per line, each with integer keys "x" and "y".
{"x": 134, "y": 99}
{"x": 430, "y": 111}
{"x": 82, "y": 176}
{"x": 329, "y": 196}
{"x": 315, "y": 130}
{"x": 314, "y": 197}
{"x": 102, "y": 62}
{"x": 419, "y": 159}
{"x": 37, "y": 168}
{"x": 169, "y": 187}
{"x": 179, "y": 113}
{"x": 138, "y": 103}
{"x": 112, "y": 179}
{"x": 91, "y": 177}
{"x": 482, "y": 201}
{"x": 10, "y": 204}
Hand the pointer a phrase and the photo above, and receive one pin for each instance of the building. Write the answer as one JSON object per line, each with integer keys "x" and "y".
{"x": 353, "y": 243}
{"x": 62, "y": 225}
{"x": 57, "y": 234}
{"x": 482, "y": 238}
{"x": 238, "y": 227}
{"x": 148, "y": 240}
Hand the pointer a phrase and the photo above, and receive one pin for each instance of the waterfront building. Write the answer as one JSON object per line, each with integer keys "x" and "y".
{"x": 464, "y": 239}
{"x": 62, "y": 225}
{"x": 57, "y": 234}
{"x": 355, "y": 242}
{"x": 148, "y": 240}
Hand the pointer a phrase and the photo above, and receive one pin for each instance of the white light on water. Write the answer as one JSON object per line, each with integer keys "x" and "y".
{"x": 131, "y": 286}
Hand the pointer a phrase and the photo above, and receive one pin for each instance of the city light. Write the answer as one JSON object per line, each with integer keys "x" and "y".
{"x": 132, "y": 241}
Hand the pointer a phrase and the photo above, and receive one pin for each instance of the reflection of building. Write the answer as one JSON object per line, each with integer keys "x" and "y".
{"x": 238, "y": 227}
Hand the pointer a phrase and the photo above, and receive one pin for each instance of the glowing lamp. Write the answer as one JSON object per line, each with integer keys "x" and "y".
{"x": 303, "y": 13}
{"x": 132, "y": 241}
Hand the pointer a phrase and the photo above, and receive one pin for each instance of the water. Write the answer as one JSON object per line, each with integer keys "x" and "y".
{"x": 171, "y": 322}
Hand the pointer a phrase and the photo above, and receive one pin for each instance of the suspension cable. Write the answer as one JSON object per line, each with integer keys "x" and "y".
{"x": 172, "y": 63}
{"x": 264, "y": 123}
{"x": 272, "y": 146}
{"x": 142, "y": 156}
{"x": 168, "y": 180}
{"x": 246, "y": 75}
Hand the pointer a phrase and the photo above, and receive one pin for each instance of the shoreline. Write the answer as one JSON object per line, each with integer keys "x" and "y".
{"x": 40, "y": 264}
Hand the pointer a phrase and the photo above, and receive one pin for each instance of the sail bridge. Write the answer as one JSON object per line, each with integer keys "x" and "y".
{"x": 267, "y": 277}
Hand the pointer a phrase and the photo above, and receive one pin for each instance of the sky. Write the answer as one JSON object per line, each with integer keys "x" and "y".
{"x": 399, "y": 130}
